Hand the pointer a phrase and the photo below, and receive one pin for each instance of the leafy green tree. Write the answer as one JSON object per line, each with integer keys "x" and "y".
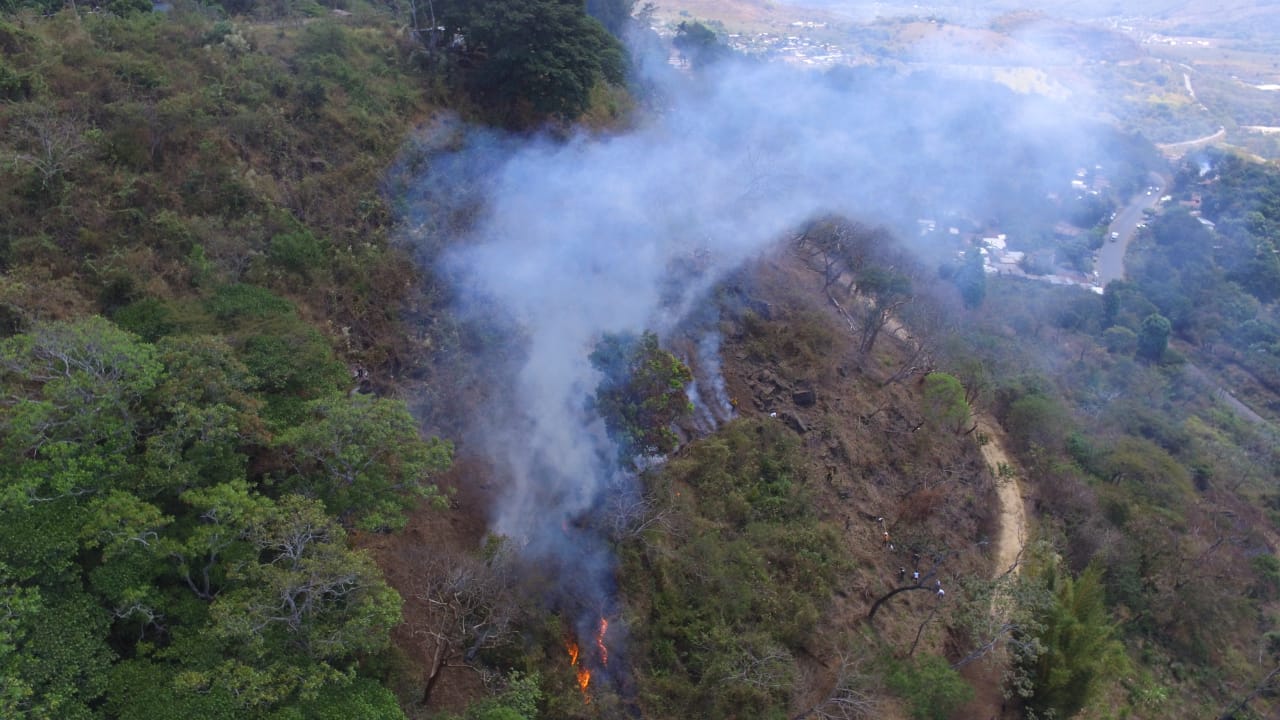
{"x": 144, "y": 689}
{"x": 1148, "y": 472}
{"x": 364, "y": 458}
{"x": 299, "y": 251}
{"x": 699, "y": 44}
{"x": 1260, "y": 274}
{"x": 641, "y": 394}
{"x": 19, "y": 607}
{"x": 301, "y": 613}
{"x": 1153, "y": 337}
{"x": 1080, "y": 650}
{"x": 69, "y": 437}
{"x": 534, "y": 58}
{"x": 362, "y": 699}
{"x": 1036, "y": 420}
{"x": 206, "y": 417}
{"x": 149, "y": 318}
{"x": 293, "y": 364}
{"x": 60, "y": 661}
{"x": 932, "y": 689}
{"x": 1111, "y": 302}
{"x": 518, "y": 701}
{"x": 1005, "y": 612}
{"x": 239, "y": 303}
{"x": 971, "y": 278}
{"x": 614, "y": 15}
{"x": 78, "y": 385}
{"x": 888, "y": 290}
{"x": 127, "y": 513}
{"x": 1120, "y": 340}
{"x": 944, "y": 401}
{"x": 290, "y": 361}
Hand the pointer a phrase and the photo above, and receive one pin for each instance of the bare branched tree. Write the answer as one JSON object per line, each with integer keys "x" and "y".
{"x": 470, "y": 604}
{"x": 929, "y": 327}
{"x": 54, "y": 143}
{"x": 768, "y": 668}
{"x": 1267, "y": 685}
{"x": 852, "y": 695}
{"x": 630, "y": 515}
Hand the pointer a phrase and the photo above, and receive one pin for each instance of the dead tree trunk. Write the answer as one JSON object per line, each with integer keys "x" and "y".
{"x": 920, "y": 630}
{"x": 905, "y": 588}
{"x": 437, "y": 667}
{"x": 1230, "y": 713}
{"x": 985, "y": 648}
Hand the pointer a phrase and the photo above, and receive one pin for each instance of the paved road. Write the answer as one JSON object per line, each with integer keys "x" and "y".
{"x": 1110, "y": 263}
{"x": 1111, "y": 267}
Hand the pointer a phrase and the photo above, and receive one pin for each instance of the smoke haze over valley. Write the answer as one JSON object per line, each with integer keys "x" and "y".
{"x": 581, "y": 238}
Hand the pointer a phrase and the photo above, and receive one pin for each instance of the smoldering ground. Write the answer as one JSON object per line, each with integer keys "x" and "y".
{"x": 566, "y": 240}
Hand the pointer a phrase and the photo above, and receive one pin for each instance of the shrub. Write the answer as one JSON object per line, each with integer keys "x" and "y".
{"x": 933, "y": 690}
{"x": 1037, "y": 420}
{"x": 298, "y": 251}
{"x": 237, "y": 302}
{"x": 149, "y": 318}
{"x": 1120, "y": 340}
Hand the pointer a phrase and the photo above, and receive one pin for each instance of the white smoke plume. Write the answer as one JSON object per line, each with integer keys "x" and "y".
{"x": 707, "y": 392}
{"x": 573, "y": 239}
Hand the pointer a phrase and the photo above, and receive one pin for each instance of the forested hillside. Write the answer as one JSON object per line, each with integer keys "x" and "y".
{"x": 199, "y": 294}
{"x": 234, "y": 338}
{"x": 195, "y": 258}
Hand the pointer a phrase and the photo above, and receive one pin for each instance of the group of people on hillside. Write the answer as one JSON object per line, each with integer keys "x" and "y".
{"x": 915, "y": 559}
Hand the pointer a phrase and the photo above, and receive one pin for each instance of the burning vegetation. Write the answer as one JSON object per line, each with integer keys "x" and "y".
{"x": 578, "y": 662}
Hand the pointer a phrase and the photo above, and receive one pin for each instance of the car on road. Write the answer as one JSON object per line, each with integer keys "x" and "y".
{"x": 1115, "y": 236}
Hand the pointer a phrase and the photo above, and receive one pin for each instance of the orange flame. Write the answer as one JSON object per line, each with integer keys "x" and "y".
{"x": 582, "y": 673}
{"x": 604, "y": 651}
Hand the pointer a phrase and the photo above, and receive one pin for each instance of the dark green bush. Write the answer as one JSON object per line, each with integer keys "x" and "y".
{"x": 239, "y": 302}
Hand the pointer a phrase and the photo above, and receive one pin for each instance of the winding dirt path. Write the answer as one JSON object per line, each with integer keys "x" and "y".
{"x": 1177, "y": 149}
{"x": 1013, "y": 512}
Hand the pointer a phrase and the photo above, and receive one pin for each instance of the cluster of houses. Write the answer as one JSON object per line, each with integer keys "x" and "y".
{"x": 1090, "y": 183}
{"x": 998, "y": 259}
{"x": 794, "y": 49}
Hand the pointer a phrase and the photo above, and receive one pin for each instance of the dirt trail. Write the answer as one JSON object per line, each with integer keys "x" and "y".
{"x": 1013, "y": 513}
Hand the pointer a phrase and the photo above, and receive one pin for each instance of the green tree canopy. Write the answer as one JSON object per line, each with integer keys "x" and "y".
{"x": 1037, "y": 420}
{"x": 1080, "y": 651}
{"x": 1153, "y": 337}
{"x": 932, "y": 689}
{"x": 614, "y": 15}
{"x": 944, "y": 401}
{"x": 533, "y": 59}
{"x": 147, "y": 568}
{"x": 364, "y": 458}
{"x": 971, "y": 278}
{"x": 699, "y": 44}
{"x": 641, "y": 394}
